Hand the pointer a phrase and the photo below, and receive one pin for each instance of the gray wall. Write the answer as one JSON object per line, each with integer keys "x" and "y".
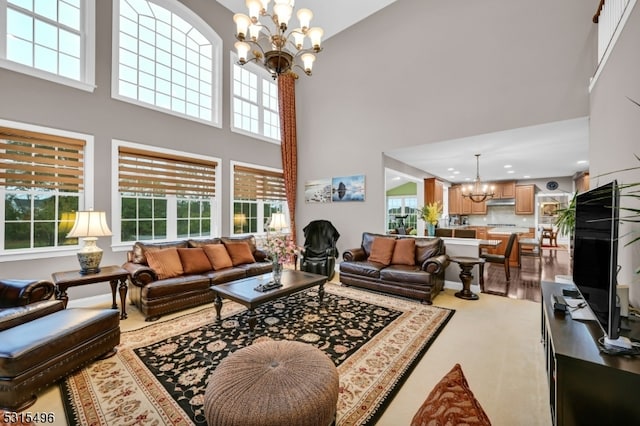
{"x": 615, "y": 138}
{"x": 426, "y": 71}
{"x": 36, "y": 101}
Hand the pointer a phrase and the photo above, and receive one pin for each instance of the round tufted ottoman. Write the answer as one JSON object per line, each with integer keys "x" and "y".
{"x": 273, "y": 383}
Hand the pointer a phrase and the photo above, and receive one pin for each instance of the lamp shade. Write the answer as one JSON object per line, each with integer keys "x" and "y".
{"x": 278, "y": 221}
{"x": 90, "y": 223}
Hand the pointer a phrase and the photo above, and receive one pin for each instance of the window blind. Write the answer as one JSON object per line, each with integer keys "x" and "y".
{"x": 256, "y": 184}
{"x": 38, "y": 160}
{"x": 146, "y": 172}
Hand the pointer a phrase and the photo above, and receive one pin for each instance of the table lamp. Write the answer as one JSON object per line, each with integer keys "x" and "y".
{"x": 278, "y": 222}
{"x": 90, "y": 225}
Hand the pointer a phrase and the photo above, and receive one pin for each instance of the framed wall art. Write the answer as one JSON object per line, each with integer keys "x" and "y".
{"x": 348, "y": 188}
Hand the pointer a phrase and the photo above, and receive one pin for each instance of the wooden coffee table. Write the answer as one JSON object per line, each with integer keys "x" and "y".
{"x": 242, "y": 291}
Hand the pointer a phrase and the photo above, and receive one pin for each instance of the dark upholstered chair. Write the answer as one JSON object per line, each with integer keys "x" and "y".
{"x": 319, "y": 252}
{"x": 499, "y": 258}
{"x": 444, "y": 232}
{"x": 464, "y": 233}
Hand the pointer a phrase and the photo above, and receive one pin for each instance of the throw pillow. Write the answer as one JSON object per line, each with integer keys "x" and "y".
{"x": 165, "y": 262}
{"x": 218, "y": 256}
{"x": 451, "y": 402}
{"x": 404, "y": 253}
{"x": 194, "y": 260}
{"x": 382, "y": 250}
{"x": 239, "y": 252}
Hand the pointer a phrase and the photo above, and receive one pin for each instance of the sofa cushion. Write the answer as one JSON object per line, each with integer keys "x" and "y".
{"x": 382, "y": 250}
{"x": 139, "y": 249}
{"x": 202, "y": 243}
{"x": 367, "y": 241}
{"x": 165, "y": 262}
{"x": 451, "y": 402}
{"x": 426, "y": 248}
{"x": 194, "y": 260}
{"x": 239, "y": 252}
{"x": 218, "y": 256}
{"x": 365, "y": 269}
{"x": 404, "y": 253}
{"x": 222, "y": 276}
{"x": 405, "y": 274}
{"x": 257, "y": 268}
{"x": 176, "y": 286}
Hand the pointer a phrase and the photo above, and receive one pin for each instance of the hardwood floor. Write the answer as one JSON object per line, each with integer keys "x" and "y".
{"x": 525, "y": 281}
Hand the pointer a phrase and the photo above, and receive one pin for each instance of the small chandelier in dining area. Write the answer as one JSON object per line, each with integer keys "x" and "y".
{"x": 477, "y": 191}
{"x": 266, "y": 33}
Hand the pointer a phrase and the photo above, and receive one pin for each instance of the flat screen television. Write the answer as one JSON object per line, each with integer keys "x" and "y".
{"x": 595, "y": 255}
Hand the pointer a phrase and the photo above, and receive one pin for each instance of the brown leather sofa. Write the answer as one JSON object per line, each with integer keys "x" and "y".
{"x": 41, "y": 342}
{"x": 154, "y": 296}
{"x": 418, "y": 274}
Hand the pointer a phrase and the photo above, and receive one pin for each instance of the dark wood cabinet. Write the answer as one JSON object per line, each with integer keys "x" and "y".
{"x": 586, "y": 387}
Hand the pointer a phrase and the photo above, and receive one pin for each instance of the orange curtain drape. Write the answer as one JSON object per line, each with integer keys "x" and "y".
{"x": 289, "y": 143}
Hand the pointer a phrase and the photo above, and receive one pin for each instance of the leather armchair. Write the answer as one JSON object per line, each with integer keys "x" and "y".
{"x": 319, "y": 252}
{"x": 42, "y": 342}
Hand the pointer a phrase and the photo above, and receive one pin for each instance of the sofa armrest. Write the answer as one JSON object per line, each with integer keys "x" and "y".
{"x": 23, "y": 292}
{"x": 11, "y": 317}
{"x": 141, "y": 275}
{"x": 260, "y": 255}
{"x": 436, "y": 264}
{"x": 354, "y": 254}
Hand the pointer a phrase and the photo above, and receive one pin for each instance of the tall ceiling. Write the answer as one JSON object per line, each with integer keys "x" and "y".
{"x": 548, "y": 150}
{"x": 332, "y": 16}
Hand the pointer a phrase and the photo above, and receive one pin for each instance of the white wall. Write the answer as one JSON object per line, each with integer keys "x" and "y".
{"x": 615, "y": 138}
{"x": 427, "y": 71}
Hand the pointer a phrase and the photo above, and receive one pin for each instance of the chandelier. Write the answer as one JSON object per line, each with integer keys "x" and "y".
{"x": 477, "y": 192}
{"x": 272, "y": 45}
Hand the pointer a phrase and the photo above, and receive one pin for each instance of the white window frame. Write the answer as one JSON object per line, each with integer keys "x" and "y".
{"x": 216, "y": 57}
{"x": 85, "y": 198}
{"x": 261, "y": 220}
{"x": 87, "y": 47}
{"x": 172, "y": 229}
{"x": 403, "y": 207}
{"x": 261, "y": 74}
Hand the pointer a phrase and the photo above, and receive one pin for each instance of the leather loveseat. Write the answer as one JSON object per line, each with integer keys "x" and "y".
{"x": 162, "y": 286}
{"x": 403, "y": 265}
{"x": 41, "y": 342}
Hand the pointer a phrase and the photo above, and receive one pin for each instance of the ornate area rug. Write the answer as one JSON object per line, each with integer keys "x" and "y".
{"x": 159, "y": 374}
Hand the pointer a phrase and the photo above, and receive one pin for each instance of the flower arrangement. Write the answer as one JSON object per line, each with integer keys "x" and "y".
{"x": 280, "y": 248}
{"x": 431, "y": 212}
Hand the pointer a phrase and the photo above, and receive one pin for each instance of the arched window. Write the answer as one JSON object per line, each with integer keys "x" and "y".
{"x": 167, "y": 58}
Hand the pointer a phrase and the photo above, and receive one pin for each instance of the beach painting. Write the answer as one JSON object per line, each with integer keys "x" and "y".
{"x": 347, "y": 188}
{"x": 317, "y": 191}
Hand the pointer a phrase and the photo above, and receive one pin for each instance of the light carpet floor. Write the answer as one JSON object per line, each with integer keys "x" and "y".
{"x": 495, "y": 339}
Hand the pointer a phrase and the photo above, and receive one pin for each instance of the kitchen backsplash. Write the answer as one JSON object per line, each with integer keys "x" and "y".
{"x": 502, "y": 215}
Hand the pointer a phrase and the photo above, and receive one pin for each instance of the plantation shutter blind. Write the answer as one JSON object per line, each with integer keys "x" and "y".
{"x": 38, "y": 160}
{"x": 145, "y": 172}
{"x": 257, "y": 184}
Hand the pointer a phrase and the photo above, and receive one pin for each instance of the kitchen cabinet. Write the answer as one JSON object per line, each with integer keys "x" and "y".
{"x": 463, "y": 205}
{"x": 433, "y": 191}
{"x": 455, "y": 200}
{"x": 525, "y": 199}
{"x": 505, "y": 189}
{"x": 582, "y": 182}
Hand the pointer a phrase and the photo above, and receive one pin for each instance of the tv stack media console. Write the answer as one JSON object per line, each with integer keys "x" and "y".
{"x": 586, "y": 387}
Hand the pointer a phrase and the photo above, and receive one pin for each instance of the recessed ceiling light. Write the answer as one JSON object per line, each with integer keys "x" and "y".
{"x": 456, "y": 172}
{"x": 467, "y": 179}
{"x": 507, "y": 166}
{"x": 395, "y": 178}
{"x": 526, "y": 176}
{"x": 510, "y": 171}
{"x": 450, "y": 169}
{"x": 582, "y": 161}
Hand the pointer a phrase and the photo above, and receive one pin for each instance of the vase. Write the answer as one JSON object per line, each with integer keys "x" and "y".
{"x": 277, "y": 272}
{"x": 431, "y": 229}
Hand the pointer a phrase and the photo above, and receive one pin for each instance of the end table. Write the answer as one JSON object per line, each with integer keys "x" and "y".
{"x": 466, "y": 265}
{"x": 113, "y": 274}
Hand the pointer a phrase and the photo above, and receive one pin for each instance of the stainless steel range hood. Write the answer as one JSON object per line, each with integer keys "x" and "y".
{"x": 501, "y": 202}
